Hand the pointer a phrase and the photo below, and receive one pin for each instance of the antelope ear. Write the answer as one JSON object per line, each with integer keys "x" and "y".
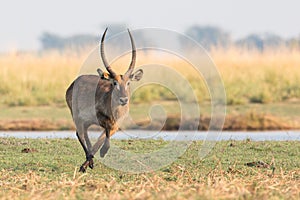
{"x": 136, "y": 76}
{"x": 103, "y": 75}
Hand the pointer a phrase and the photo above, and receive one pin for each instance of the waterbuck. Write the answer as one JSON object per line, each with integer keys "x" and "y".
{"x": 101, "y": 100}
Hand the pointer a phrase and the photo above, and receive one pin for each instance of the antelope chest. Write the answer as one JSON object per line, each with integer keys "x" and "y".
{"x": 121, "y": 112}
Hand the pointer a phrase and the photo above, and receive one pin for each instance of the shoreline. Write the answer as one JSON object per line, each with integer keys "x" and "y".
{"x": 233, "y": 122}
{"x": 213, "y": 136}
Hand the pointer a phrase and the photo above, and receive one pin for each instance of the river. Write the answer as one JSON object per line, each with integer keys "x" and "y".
{"x": 168, "y": 135}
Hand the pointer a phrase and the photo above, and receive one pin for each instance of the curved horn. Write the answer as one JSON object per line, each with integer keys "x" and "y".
{"x": 107, "y": 66}
{"x": 133, "y": 58}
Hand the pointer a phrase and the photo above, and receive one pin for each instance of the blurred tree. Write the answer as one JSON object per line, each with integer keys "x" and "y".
{"x": 261, "y": 41}
{"x": 272, "y": 40}
{"x": 76, "y": 42}
{"x": 79, "y": 41}
{"x": 294, "y": 43}
{"x": 51, "y": 41}
{"x": 119, "y": 43}
{"x": 209, "y": 36}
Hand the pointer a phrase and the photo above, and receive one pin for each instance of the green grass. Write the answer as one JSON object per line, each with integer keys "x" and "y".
{"x": 51, "y": 172}
{"x": 285, "y": 110}
{"x": 38, "y": 112}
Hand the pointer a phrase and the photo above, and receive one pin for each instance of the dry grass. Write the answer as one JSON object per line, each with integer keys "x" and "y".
{"x": 28, "y": 80}
{"x": 33, "y": 79}
{"x": 218, "y": 184}
{"x": 259, "y": 77}
{"x": 223, "y": 174}
{"x": 271, "y": 76}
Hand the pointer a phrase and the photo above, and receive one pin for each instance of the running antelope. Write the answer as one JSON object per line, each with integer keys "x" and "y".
{"x": 101, "y": 100}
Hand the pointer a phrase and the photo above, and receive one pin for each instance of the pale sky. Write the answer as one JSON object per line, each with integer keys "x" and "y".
{"x": 23, "y": 22}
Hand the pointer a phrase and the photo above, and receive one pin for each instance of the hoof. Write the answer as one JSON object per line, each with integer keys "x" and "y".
{"x": 84, "y": 166}
{"x": 82, "y": 169}
{"x": 91, "y": 164}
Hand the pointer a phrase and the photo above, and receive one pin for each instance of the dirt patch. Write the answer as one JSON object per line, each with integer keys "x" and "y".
{"x": 35, "y": 125}
{"x": 248, "y": 121}
{"x": 258, "y": 164}
{"x": 253, "y": 121}
{"x": 28, "y": 150}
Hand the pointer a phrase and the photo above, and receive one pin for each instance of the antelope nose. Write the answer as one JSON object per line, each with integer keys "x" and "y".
{"x": 123, "y": 100}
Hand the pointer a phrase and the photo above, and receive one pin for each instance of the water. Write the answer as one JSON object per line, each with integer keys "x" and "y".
{"x": 167, "y": 135}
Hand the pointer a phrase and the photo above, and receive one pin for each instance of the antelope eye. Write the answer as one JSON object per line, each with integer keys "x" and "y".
{"x": 116, "y": 84}
{"x": 127, "y": 85}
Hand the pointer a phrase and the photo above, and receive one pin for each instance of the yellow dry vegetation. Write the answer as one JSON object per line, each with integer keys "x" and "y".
{"x": 30, "y": 79}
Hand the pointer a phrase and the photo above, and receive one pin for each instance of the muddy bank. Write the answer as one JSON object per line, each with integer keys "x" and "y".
{"x": 241, "y": 122}
{"x": 248, "y": 121}
{"x": 35, "y": 125}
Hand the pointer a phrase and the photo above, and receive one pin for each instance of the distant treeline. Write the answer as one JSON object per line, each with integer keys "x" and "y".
{"x": 207, "y": 36}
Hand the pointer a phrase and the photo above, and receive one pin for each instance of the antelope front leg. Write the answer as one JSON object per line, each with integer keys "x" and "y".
{"x": 82, "y": 142}
{"x": 86, "y": 145}
{"x": 95, "y": 148}
{"x": 99, "y": 143}
{"x": 106, "y": 145}
{"x": 89, "y": 160}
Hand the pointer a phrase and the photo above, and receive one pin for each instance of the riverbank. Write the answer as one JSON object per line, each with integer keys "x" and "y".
{"x": 240, "y": 122}
{"x": 285, "y": 135}
{"x": 281, "y": 116}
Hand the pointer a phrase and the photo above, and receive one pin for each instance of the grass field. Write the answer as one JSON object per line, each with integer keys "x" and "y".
{"x": 32, "y": 79}
{"x": 50, "y": 172}
{"x": 33, "y": 85}
{"x": 259, "y": 77}
{"x": 261, "y": 88}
